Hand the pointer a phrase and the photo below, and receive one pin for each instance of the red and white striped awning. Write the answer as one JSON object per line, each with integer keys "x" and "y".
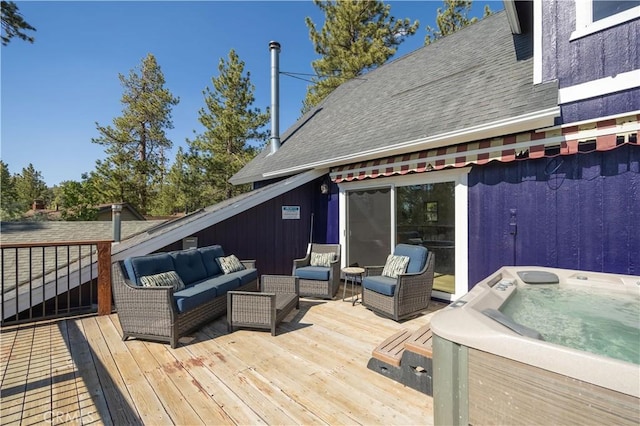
{"x": 562, "y": 140}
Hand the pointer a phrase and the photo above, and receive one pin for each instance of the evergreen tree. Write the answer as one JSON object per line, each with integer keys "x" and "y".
{"x": 357, "y": 36}
{"x": 30, "y": 186}
{"x": 77, "y": 200}
{"x": 230, "y": 124}
{"x": 453, "y": 18}
{"x": 136, "y": 143}
{"x": 13, "y": 24}
{"x": 9, "y": 204}
{"x": 183, "y": 190}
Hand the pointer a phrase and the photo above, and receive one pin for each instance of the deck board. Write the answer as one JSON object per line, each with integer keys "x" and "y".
{"x": 314, "y": 371}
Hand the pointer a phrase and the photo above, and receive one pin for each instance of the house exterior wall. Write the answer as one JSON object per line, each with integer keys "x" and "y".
{"x": 262, "y": 234}
{"x": 576, "y": 212}
{"x": 600, "y": 56}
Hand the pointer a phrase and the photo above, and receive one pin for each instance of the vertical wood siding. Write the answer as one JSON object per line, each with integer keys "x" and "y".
{"x": 602, "y": 54}
{"x": 574, "y": 212}
{"x": 261, "y": 234}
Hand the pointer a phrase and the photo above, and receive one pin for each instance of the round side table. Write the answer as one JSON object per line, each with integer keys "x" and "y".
{"x": 352, "y": 273}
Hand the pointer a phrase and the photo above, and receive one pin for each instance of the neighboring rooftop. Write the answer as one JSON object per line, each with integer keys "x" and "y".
{"x": 55, "y": 231}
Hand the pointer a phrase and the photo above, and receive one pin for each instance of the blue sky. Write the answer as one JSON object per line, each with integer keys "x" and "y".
{"x": 55, "y": 90}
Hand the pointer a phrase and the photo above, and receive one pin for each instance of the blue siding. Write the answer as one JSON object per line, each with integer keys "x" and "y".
{"x": 602, "y": 54}
{"x": 574, "y": 212}
{"x": 599, "y": 55}
{"x": 260, "y": 233}
{"x": 615, "y": 103}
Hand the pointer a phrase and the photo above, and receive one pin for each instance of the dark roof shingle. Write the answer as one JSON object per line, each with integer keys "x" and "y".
{"x": 470, "y": 78}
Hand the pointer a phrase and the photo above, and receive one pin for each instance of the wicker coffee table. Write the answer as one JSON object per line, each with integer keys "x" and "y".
{"x": 265, "y": 309}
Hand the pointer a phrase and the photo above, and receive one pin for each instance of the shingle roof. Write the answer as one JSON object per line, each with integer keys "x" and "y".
{"x": 470, "y": 78}
{"x": 56, "y": 231}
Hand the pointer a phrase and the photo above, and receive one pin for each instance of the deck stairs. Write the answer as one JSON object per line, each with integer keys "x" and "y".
{"x": 406, "y": 357}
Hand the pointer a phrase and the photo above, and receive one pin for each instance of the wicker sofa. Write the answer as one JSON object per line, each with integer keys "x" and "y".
{"x": 408, "y": 293}
{"x": 318, "y": 281}
{"x": 165, "y": 313}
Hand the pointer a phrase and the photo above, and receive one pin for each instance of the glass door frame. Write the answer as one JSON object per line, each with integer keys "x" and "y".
{"x": 460, "y": 177}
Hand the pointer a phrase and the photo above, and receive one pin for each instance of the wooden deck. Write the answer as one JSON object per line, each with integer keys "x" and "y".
{"x": 314, "y": 371}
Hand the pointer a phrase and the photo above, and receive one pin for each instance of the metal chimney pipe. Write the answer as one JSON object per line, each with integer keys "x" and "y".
{"x": 115, "y": 218}
{"x": 274, "y": 47}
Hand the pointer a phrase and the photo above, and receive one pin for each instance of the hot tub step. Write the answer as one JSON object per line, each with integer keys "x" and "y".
{"x": 406, "y": 358}
{"x": 390, "y": 351}
{"x": 420, "y": 342}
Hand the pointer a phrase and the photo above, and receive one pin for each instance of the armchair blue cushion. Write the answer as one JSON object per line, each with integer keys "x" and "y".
{"x": 380, "y": 284}
{"x": 417, "y": 256}
{"x": 313, "y": 273}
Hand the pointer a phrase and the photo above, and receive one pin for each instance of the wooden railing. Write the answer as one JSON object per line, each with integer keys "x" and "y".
{"x": 52, "y": 279}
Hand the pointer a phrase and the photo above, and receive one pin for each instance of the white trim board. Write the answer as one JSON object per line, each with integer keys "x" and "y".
{"x": 585, "y": 24}
{"x": 603, "y": 86}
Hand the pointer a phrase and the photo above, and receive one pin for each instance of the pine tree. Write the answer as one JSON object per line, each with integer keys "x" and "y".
{"x": 29, "y": 187}
{"x": 453, "y": 18}
{"x": 184, "y": 189}
{"x": 136, "y": 143}
{"x": 9, "y": 204}
{"x": 230, "y": 125}
{"x": 13, "y": 24}
{"x": 357, "y": 36}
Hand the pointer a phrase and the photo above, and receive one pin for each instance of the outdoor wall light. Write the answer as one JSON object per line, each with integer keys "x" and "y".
{"x": 324, "y": 188}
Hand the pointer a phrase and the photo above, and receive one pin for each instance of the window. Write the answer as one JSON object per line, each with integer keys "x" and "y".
{"x": 603, "y": 9}
{"x": 597, "y": 15}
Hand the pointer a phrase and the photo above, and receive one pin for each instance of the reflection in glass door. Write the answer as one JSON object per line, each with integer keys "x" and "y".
{"x": 425, "y": 215}
{"x": 368, "y": 226}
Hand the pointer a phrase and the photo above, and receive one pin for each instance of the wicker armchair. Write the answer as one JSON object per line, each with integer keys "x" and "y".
{"x": 409, "y": 293}
{"x": 317, "y": 281}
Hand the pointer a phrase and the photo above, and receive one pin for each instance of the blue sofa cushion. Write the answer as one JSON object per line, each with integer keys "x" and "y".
{"x": 313, "y": 273}
{"x": 417, "y": 256}
{"x": 209, "y": 255}
{"x": 150, "y": 264}
{"x": 245, "y": 276}
{"x": 189, "y": 265}
{"x": 195, "y": 295}
{"x": 380, "y": 284}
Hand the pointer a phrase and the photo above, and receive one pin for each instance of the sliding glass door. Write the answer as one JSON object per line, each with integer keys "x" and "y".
{"x": 426, "y": 215}
{"x": 426, "y": 209}
{"x": 368, "y": 226}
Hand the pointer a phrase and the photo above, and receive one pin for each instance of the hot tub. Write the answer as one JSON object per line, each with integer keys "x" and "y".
{"x": 492, "y": 369}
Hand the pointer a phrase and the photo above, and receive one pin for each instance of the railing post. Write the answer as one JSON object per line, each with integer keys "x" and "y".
{"x": 104, "y": 278}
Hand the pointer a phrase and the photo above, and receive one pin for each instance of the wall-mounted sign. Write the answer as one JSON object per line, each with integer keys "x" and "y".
{"x": 290, "y": 212}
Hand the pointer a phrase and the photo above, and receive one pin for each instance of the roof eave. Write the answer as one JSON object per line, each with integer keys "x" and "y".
{"x": 534, "y": 120}
{"x": 512, "y": 16}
